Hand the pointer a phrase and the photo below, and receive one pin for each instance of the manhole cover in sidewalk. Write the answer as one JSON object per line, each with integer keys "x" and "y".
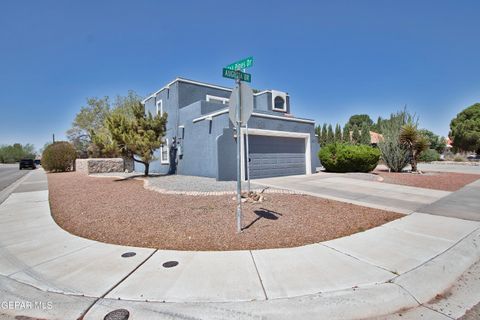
{"x": 128, "y": 254}
{"x": 170, "y": 264}
{"x": 119, "y": 314}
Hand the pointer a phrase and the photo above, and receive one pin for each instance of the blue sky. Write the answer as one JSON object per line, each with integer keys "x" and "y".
{"x": 334, "y": 58}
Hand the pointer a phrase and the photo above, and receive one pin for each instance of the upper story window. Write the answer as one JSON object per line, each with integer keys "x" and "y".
{"x": 279, "y": 101}
{"x": 160, "y": 107}
{"x": 216, "y": 99}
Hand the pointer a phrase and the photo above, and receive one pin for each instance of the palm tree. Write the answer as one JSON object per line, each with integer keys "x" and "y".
{"x": 415, "y": 143}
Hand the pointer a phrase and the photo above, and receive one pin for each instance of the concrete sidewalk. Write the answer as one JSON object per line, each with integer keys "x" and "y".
{"x": 463, "y": 204}
{"x": 399, "y": 265}
{"x": 392, "y": 197}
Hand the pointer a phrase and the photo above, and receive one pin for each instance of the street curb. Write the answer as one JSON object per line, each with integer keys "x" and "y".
{"x": 422, "y": 282}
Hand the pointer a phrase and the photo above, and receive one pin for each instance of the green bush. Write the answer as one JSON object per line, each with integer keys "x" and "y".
{"x": 429, "y": 155}
{"x": 59, "y": 157}
{"x": 339, "y": 157}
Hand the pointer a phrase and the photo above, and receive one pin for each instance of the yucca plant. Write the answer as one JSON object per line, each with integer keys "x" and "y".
{"x": 394, "y": 153}
{"x": 415, "y": 143}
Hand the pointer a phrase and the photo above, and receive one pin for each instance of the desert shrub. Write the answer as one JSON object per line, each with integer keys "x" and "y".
{"x": 429, "y": 155}
{"x": 59, "y": 157}
{"x": 339, "y": 157}
{"x": 394, "y": 153}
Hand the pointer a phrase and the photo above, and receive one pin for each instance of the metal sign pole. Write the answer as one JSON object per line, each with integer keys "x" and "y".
{"x": 248, "y": 157}
{"x": 239, "y": 151}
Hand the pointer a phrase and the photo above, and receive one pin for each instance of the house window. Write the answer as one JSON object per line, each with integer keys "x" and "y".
{"x": 216, "y": 99}
{"x": 182, "y": 131}
{"x": 164, "y": 153}
{"x": 279, "y": 103}
{"x": 160, "y": 107}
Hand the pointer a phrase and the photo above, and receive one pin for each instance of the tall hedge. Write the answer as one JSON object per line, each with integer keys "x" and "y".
{"x": 59, "y": 157}
{"x": 339, "y": 157}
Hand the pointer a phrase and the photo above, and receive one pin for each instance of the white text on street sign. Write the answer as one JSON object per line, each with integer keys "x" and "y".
{"x": 241, "y": 64}
{"x": 234, "y": 74}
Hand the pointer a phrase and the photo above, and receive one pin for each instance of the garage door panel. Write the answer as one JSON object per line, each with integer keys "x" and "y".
{"x": 277, "y": 165}
{"x": 276, "y": 156}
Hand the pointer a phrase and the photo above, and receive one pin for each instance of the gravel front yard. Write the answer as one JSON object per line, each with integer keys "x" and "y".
{"x": 447, "y": 181}
{"x": 123, "y": 212}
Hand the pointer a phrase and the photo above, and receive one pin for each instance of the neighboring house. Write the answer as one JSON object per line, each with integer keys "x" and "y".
{"x": 448, "y": 144}
{"x": 375, "y": 138}
{"x": 201, "y": 141}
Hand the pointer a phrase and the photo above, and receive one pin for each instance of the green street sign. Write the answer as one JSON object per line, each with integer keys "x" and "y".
{"x": 235, "y": 74}
{"x": 242, "y": 64}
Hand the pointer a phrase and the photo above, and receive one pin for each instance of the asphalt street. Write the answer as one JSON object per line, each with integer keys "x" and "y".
{"x": 9, "y": 173}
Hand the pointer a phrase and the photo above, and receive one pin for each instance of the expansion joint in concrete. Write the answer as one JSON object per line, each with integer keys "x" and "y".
{"x": 446, "y": 250}
{"x": 258, "y": 274}
{"x": 358, "y": 259}
{"x": 116, "y": 285}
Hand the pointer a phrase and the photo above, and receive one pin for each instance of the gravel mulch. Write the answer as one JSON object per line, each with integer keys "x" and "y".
{"x": 183, "y": 183}
{"x": 447, "y": 181}
{"x": 199, "y": 184}
{"x": 123, "y": 212}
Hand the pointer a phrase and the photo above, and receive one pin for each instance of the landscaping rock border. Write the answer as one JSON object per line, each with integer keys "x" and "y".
{"x": 99, "y": 165}
{"x": 147, "y": 185}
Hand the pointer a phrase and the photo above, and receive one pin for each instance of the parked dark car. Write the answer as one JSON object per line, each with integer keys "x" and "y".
{"x": 38, "y": 162}
{"x": 27, "y": 164}
{"x": 473, "y": 157}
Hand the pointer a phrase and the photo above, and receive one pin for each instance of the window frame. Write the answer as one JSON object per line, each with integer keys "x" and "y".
{"x": 224, "y": 100}
{"x": 159, "y": 110}
{"x": 284, "y": 109}
{"x": 162, "y": 147}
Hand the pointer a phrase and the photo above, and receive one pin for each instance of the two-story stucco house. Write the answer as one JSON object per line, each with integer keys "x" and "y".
{"x": 201, "y": 141}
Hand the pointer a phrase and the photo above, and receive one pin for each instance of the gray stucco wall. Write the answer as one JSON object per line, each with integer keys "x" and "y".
{"x": 190, "y": 93}
{"x": 226, "y": 156}
{"x": 199, "y": 146}
{"x": 260, "y": 102}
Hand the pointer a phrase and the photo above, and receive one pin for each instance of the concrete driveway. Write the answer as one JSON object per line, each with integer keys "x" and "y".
{"x": 463, "y": 204}
{"x": 343, "y": 187}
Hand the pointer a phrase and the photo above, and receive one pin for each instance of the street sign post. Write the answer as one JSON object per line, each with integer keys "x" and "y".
{"x": 236, "y": 74}
{"x": 246, "y": 110}
{"x": 241, "y": 64}
{"x": 241, "y": 98}
{"x": 238, "y": 114}
{"x": 247, "y": 151}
